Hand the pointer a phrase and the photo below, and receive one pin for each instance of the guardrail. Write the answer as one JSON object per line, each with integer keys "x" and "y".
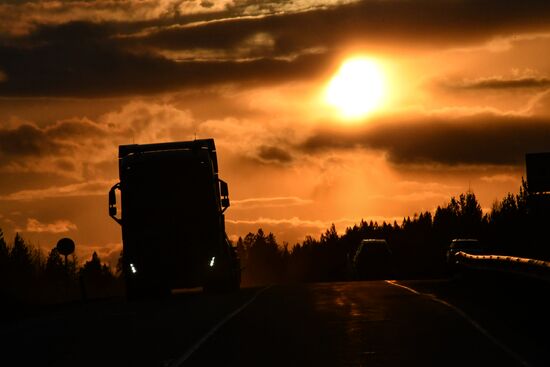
{"x": 517, "y": 265}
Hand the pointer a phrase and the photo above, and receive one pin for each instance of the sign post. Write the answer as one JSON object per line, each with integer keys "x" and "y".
{"x": 65, "y": 247}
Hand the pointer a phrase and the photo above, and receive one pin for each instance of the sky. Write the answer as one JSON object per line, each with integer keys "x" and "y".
{"x": 322, "y": 111}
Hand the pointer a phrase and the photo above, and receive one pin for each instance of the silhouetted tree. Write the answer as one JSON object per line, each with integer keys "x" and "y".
{"x": 120, "y": 264}
{"x": 241, "y": 251}
{"x": 470, "y": 215}
{"x": 4, "y": 251}
{"x": 511, "y": 227}
{"x": 55, "y": 266}
{"x": 264, "y": 258}
{"x": 21, "y": 261}
{"x": 97, "y": 277}
{"x": 4, "y": 261}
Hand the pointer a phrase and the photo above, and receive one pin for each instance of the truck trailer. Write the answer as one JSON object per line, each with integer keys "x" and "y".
{"x": 172, "y": 217}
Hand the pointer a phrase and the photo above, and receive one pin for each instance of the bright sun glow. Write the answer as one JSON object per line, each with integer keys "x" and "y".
{"x": 357, "y": 88}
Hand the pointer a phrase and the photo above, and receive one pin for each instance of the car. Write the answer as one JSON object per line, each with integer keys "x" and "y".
{"x": 468, "y": 245}
{"x": 373, "y": 259}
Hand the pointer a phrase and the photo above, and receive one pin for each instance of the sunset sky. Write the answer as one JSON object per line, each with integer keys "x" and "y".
{"x": 322, "y": 111}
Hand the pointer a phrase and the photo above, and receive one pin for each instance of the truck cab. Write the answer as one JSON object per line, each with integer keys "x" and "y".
{"x": 173, "y": 226}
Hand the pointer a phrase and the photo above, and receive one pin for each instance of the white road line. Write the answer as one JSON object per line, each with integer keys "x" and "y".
{"x": 179, "y": 361}
{"x": 472, "y": 322}
{"x": 393, "y": 282}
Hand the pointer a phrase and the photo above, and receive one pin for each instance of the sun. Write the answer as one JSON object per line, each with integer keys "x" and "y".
{"x": 357, "y": 88}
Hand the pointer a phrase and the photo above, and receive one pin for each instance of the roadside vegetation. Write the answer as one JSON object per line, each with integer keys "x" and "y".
{"x": 418, "y": 245}
{"x": 28, "y": 276}
{"x": 514, "y": 226}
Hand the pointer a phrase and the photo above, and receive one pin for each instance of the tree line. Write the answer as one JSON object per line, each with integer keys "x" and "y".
{"x": 515, "y": 225}
{"x": 27, "y": 275}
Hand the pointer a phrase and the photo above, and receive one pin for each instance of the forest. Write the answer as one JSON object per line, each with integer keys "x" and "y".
{"x": 515, "y": 225}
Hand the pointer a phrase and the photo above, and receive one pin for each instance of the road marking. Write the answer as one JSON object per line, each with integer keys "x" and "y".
{"x": 472, "y": 322}
{"x": 179, "y": 361}
{"x": 393, "y": 282}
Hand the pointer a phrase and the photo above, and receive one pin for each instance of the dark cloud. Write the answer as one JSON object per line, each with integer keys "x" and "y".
{"x": 430, "y": 22}
{"x": 83, "y": 65}
{"x": 478, "y": 140}
{"x": 17, "y": 181}
{"x": 28, "y": 140}
{"x": 274, "y": 154}
{"x": 502, "y": 83}
{"x": 109, "y": 58}
{"x": 65, "y": 165}
{"x": 207, "y": 4}
{"x": 76, "y": 129}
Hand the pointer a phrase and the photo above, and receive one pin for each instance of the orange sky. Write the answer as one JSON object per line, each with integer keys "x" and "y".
{"x": 466, "y": 94}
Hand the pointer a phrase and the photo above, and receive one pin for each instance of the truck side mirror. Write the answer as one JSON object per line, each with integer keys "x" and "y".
{"x": 224, "y": 189}
{"x": 112, "y": 203}
{"x": 224, "y": 193}
{"x": 225, "y": 203}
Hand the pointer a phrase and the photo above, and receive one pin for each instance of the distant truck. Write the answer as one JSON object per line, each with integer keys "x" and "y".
{"x": 173, "y": 224}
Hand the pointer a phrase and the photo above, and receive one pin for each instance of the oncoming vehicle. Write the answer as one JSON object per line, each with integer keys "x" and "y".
{"x": 173, "y": 226}
{"x": 373, "y": 260}
{"x": 468, "y": 245}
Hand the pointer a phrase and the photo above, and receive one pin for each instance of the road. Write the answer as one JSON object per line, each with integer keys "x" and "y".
{"x": 371, "y": 323}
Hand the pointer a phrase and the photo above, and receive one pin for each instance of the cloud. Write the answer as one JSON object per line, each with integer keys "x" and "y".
{"x": 27, "y": 140}
{"x": 129, "y": 48}
{"x": 540, "y": 104}
{"x": 502, "y": 83}
{"x": 388, "y": 21}
{"x": 274, "y": 154}
{"x": 270, "y": 202}
{"x": 22, "y": 17}
{"x": 59, "y": 226}
{"x": 79, "y": 189}
{"x": 498, "y": 178}
{"x": 87, "y": 64}
{"x": 84, "y": 149}
{"x": 483, "y": 139}
{"x": 413, "y": 196}
{"x": 294, "y": 221}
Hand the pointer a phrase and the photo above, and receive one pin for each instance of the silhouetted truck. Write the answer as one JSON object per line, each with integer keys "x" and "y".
{"x": 173, "y": 226}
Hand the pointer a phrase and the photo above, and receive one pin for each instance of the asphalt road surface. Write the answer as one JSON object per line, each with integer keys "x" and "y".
{"x": 372, "y": 323}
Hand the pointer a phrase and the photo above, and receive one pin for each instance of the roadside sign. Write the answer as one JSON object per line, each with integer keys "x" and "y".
{"x": 65, "y": 246}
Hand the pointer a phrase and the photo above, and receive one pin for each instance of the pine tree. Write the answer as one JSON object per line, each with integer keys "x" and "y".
{"x": 55, "y": 267}
{"x": 20, "y": 257}
{"x": 4, "y": 251}
{"x": 4, "y": 261}
{"x": 120, "y": 264}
